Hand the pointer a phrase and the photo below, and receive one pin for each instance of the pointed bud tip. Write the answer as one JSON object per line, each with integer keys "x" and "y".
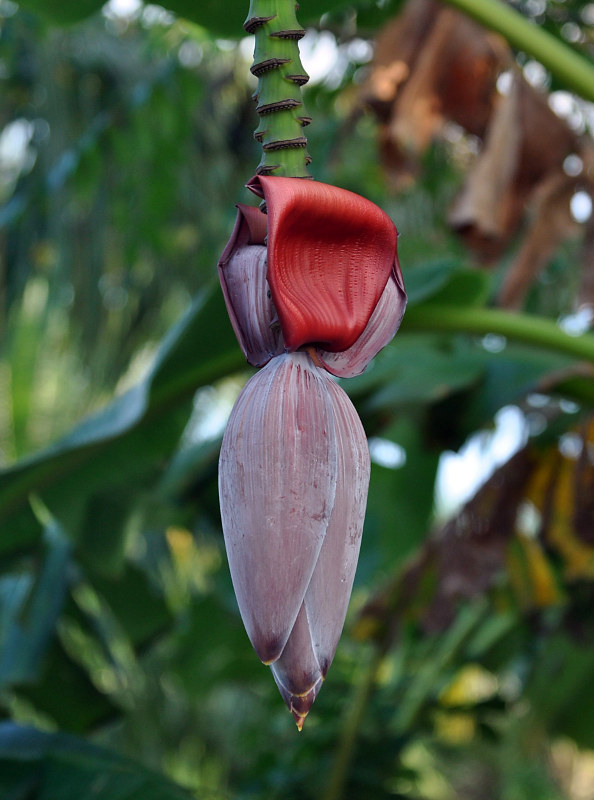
{"x": 299, "y": 720}
{"x": 299, "y": 704}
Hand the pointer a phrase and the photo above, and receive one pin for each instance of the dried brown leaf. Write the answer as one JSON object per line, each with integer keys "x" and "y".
{"x": 398, "y": 46}
{"x": 516, "y": 162}
{"x": 431, "y": 65}
{"x": 551, "y": 224}
{"x": 586, "y": 290}
{"x": 487, "y": 542}
{"x": 485, "y": 205}
{"x": 453, "y": 79}
{"x": 583, "y": 487}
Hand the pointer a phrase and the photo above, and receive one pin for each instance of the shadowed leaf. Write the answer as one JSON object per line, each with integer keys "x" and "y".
{"x": 39, "y": 765}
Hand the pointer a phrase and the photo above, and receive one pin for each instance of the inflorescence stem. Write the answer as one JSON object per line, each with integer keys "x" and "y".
{"x": 280, "y": 77}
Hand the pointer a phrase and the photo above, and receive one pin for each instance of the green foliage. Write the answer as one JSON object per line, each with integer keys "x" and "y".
{"x": 38, "y": 765}
{"x": 88, "y": 479}
{"x": 220, "y": 19}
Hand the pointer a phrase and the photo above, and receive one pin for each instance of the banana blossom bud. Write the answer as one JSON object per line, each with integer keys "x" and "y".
{"x": 312, "y": 286}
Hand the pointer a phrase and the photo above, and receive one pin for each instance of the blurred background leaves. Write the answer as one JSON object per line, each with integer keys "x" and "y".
{"x": 466, "y": 667}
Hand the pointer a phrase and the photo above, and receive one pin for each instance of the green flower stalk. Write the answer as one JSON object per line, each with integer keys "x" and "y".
{"x": 280, "y": 77}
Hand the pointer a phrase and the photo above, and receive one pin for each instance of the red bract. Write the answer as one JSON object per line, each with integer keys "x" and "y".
{"x": 330, "y": 254}
{"x": 330, "y": 272}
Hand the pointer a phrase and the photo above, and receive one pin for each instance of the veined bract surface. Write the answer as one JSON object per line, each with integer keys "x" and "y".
{"x": 293, "y": 479}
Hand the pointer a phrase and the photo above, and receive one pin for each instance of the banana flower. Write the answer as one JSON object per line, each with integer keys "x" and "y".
{"x": 312, "y": 286}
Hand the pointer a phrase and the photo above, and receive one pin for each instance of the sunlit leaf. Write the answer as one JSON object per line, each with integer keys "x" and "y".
{"x": 126, "y": 443}
{"x": 531, "y": 574}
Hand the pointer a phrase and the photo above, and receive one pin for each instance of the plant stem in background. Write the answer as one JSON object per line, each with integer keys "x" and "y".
{"x": 568, "y": 66}
{"x": 538, "y": 331}
{"x": 340, "y": 770}
{"x": 280, "y": 77}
